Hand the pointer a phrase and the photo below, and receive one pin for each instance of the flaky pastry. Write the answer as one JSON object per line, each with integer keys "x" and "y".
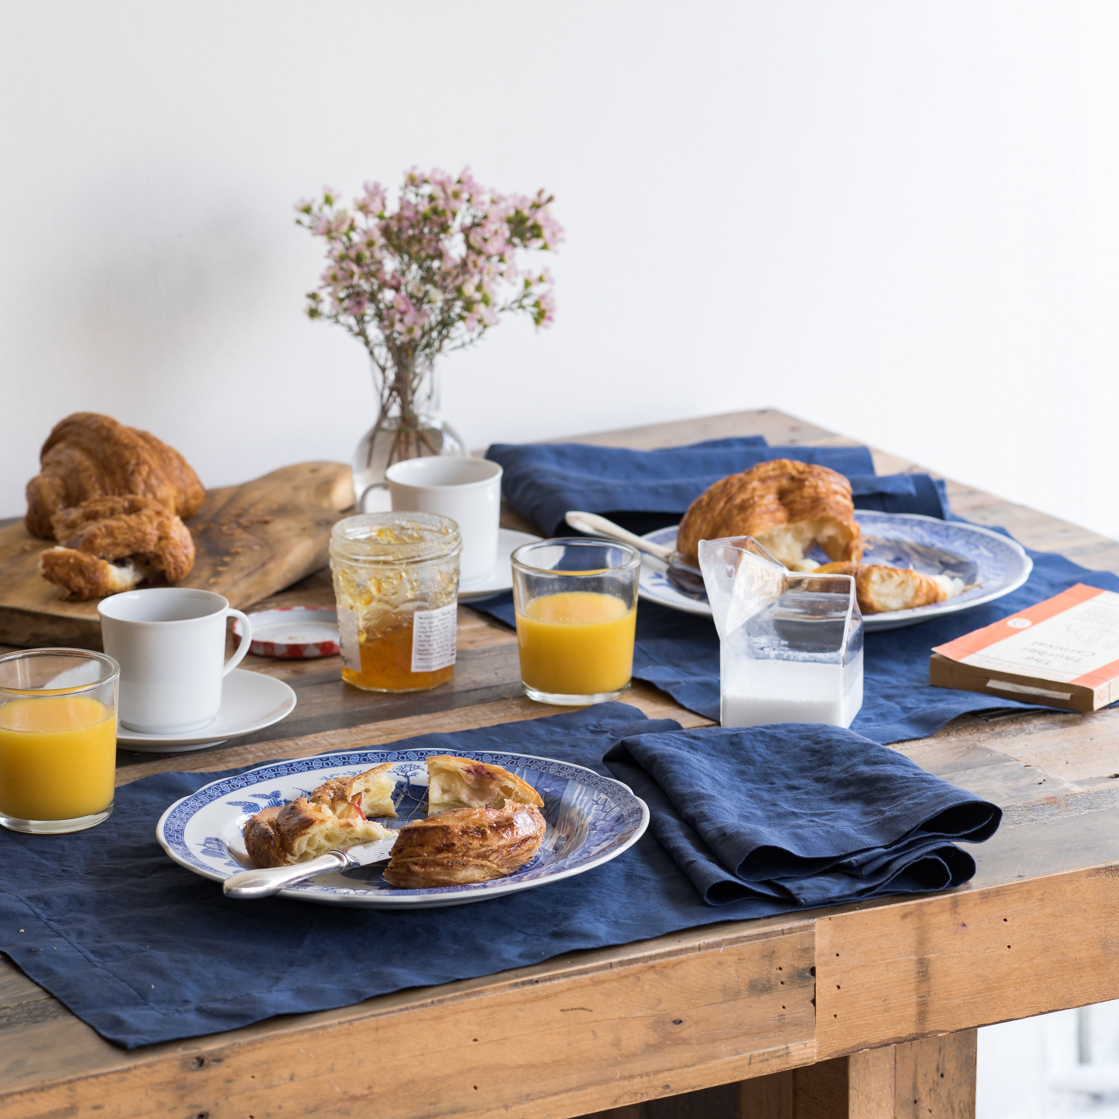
{"x": 335, "y": 815}
{"x": 464, "y": 783}
{"x": 366, "y": 794}
{"x": 88, "y": 455}
{"x": 84, "y": 576}
{"x": 154, "y": 541}
{"x": 881, "y": 589}
{"x": 465, "y": 845}
{"x": 787, "y": 506}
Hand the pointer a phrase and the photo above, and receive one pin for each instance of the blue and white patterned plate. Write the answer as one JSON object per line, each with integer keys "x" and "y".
{"x": 994, "y": 563}
{"x": 591, "y": 820}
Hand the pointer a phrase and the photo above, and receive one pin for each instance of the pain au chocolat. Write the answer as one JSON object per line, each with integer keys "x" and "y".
{"x": 465, "y": 845}
{"x": 335, "y": 815}
{"x": 787, "y": 506}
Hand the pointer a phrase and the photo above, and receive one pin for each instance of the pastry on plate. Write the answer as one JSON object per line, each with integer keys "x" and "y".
{"x": 89, "y": 455}
{"x": 366, "y": 794}
{"x": 881, "y": 589}
{"x": 334, "y": 816}
{"x": 787, "y": 506}
{"x": 465, "y": 845}
{"x": 464, "y": 783}
{"x": 98, "y": 532}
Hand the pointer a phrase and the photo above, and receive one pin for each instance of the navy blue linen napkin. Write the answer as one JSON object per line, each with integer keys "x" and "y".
{"x": 811, "y": 813}
{"x": 679, "y": 653}
{"x": 644, "y": 490}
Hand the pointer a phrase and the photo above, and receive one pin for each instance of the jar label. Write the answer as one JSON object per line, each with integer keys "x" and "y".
{"x": 347, "y": 638}
{"x": 434, "y": 635}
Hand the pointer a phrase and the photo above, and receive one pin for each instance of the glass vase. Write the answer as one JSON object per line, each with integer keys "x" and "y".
{"x": 404, "y": 430}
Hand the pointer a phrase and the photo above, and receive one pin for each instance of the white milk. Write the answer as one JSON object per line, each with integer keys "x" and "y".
{"x": 790, "y": 691}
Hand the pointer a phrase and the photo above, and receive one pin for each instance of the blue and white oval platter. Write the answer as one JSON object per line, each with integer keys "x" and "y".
{"x": 990, "y": 564}
{"x": 590, "y": 820}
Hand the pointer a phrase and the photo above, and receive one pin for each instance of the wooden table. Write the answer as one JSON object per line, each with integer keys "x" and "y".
{"x": 863, "y": 1010}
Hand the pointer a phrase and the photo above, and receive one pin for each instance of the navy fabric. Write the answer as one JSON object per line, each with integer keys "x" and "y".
{"x": 641, "y": 490}
{"x": 679, "y": 653}
{"x": 801, "y": 811}
{"x": 901, "y": 493}
{"x": 145, "y": 951}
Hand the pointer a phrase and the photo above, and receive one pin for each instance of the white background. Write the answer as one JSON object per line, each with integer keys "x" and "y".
{"x": 896, "y": 220}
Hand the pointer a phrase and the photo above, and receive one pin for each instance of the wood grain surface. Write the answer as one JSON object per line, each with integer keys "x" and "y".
{"x": 934, "y": 1076}
{"x": 884, "y": 995}
{"x": 250, "y": 541}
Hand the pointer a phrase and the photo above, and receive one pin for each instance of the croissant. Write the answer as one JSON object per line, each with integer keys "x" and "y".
{"x": 84, "y": 576}
{"x": 881, "y": 589}
{"x": 465, "y": 845}
{"x": 464, "y": 783}
{"x": 786, "y": 506}
{"x": 115, "y": 527}
{"x": 88, "y": 455}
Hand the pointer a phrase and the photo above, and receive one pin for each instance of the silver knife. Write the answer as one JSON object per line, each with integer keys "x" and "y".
{"x": 265, "y": 881}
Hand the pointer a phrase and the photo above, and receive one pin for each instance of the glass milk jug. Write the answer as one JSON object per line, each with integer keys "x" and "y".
{"x": 791, "y": 645}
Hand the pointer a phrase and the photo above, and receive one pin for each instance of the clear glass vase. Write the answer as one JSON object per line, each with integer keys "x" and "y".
{"x": 404, "y": 430}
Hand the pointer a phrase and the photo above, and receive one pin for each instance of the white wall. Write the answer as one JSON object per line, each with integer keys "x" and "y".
{"x": 897, "y": 220}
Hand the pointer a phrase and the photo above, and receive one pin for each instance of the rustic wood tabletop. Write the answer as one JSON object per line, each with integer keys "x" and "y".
{"x": 864, "y": 1010}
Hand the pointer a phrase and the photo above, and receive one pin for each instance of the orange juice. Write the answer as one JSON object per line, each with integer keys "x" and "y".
{"x": 576, "y": 643}
{"x": 57, "y": 757}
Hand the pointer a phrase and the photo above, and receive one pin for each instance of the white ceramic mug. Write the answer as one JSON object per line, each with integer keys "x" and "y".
{"x": 468, "y": 490}
{"x": 170, "y": 645}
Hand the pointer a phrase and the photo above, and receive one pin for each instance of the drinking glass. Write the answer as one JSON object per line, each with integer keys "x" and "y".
{"x": 790, "y": 645}
{"x": 58, "y": 739}
{"x": 576, "y": 606}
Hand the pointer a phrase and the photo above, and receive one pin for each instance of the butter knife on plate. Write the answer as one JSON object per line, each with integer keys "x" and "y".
{"x": 263, "y": 882}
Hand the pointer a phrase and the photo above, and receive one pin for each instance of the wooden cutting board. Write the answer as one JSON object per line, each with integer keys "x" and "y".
{"x": 250, "y": 541}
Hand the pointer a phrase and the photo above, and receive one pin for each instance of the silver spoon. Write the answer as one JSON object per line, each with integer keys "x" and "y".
{"x": 686, "y": 578}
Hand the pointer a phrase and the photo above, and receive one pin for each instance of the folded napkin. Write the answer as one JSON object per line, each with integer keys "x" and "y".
{"x": 644, "y": 490}
{"x": 811, "y": 814}
{"x": 679, "y": 653}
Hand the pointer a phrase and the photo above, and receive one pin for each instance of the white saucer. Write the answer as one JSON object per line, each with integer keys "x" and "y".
{"x": 249, "y": 701}
{"x": 501, "y": 577}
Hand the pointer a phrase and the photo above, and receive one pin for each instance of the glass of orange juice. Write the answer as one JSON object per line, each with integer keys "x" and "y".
{"x": 576, "y": 606}
{"x": 58, "y": 739}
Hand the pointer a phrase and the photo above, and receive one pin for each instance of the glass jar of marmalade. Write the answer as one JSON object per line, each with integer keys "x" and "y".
{"x": 396, "y": 587}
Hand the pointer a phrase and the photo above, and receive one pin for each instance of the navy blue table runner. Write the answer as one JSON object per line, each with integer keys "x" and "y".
{"x": 679, "y": 653}
{"x": 645, "y": 490}
{"x": 145, "y": 951}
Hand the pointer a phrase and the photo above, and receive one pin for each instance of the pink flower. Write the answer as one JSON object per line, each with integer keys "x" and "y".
{"x": 436, "y": 271}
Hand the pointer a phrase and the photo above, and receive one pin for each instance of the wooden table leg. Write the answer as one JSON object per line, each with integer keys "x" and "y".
{"x": 929, "y": 1079}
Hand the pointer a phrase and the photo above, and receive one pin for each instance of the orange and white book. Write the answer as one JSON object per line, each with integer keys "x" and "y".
{"x": 1063, "y": 652}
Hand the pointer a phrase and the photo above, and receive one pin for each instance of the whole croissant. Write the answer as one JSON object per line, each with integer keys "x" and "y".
{"x": 88, "y": 455}
{"x": 787, "y": 506}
